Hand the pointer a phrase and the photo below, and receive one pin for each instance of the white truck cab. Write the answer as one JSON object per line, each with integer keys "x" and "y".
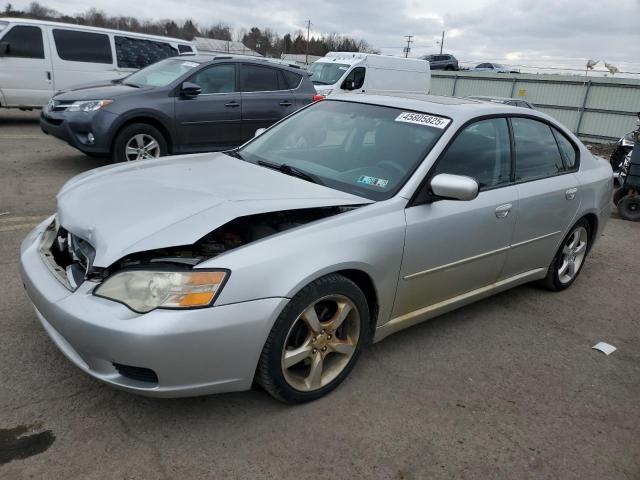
{"x": 38, "y": 58}
{"x": 367, "y": 72}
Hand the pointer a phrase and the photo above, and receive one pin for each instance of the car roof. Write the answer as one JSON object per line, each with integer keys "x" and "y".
{"x": 458, "y": 109}
{"x": 29, "y": 21}
{"x": 273, "y": 62}
{"x": 490, "y": 98}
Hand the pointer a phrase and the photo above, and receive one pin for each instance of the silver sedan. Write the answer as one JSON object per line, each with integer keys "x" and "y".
{"x": 347, "y": 221}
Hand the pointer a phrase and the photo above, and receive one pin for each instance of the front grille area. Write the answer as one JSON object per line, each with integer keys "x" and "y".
{"x": 136, "y": 373}
{"x": 68, "y": 257}
{"x": 52, "y": 121}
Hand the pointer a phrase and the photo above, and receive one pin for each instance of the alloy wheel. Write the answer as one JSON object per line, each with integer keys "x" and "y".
{"x": 320, "y": 343}
{"x": 141, "y": 147}
{"x": 573, "y": 254}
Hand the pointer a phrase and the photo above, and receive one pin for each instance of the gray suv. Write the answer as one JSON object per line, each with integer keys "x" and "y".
{"x": 185, "y": 104}
{"x": 442, "y": 62}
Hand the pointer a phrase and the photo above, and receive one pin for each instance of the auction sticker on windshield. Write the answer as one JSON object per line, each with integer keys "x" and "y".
{"x": 423, "y": 119}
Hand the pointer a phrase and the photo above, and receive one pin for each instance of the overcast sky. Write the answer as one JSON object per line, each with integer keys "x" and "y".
{"x": 562, "y": 33}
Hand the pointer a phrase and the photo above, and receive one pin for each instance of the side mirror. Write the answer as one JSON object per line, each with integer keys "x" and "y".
{"x": 347, "y": 85}
{"x": 454, "y": 187}
{"x": 259, "y": 132}
{"x": 190, "y": 90}
{"x": 5, "y": 48}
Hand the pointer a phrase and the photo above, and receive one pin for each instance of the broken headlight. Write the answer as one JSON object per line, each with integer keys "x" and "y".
{"x": 146, "y": 290}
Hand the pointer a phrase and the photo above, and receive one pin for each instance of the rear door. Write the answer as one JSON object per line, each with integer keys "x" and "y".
{"x": 211, "y": 120}
{"x": 548, "y": 190}
{"x": 26, "y": 77}
{"x": 266, "y": 97}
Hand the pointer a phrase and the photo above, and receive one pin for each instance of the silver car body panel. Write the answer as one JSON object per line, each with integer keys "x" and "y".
{"x": 422, "y": 260}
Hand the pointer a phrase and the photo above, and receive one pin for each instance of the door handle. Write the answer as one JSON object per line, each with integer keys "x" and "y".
{"x": 571, "y": 193}
{"x": 48, "y": 74}
{"x": 232, "y": 104}
{"x": 503, "y": 210}
{"x": 286, "y": 103}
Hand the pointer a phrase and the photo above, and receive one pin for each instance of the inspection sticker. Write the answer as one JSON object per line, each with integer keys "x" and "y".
{"x": 373, "y": 181}
{"x": 423, "y": 119}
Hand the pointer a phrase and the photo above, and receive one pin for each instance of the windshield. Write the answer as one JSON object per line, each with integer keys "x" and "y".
{"x": 161, "y": 73}
{"x": 327, "y": 73}
{"x": 362, "y": 149}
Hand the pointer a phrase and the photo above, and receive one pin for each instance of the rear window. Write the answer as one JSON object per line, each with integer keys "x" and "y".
{"x": 24, "y": 42}
{"x": 537, "y": 153}
{"x": 76, "y": 46}
{"x": 258, "y": 79}
{"x": 138, "y": 52}
{"x": 292, "y": 80}
{"x": 185, "y": 48}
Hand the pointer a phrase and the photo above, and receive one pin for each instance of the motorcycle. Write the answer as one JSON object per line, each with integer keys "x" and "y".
{"x": 624, "y": 147}
{"x": 627, "y": 197}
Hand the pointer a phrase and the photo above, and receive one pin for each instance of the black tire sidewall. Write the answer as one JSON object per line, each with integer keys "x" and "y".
{"x": 622, "y": 208}
{"x": 553, "y": 278}
{"x": 270, "y": 367}
{"x": 120, "y": 143}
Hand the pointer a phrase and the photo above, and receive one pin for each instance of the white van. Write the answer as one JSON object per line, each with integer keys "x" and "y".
{"x": 38, "y": 58}
{"x": 367, "y": 72}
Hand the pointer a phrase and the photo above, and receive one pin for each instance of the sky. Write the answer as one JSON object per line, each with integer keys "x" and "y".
{"x": 554, "y": 34}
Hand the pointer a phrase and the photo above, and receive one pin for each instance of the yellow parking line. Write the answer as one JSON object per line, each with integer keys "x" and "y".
{"x": 19, "y": 226}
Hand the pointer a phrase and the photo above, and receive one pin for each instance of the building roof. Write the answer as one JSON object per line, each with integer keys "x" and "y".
{"x": 223, "y": 46}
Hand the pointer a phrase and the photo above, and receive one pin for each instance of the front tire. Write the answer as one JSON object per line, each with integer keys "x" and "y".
{"x": 629, "y": 208}
{"x": 315, "y": 342}
{"x": 570, "y": 257}
{"x": 138, "y": 141}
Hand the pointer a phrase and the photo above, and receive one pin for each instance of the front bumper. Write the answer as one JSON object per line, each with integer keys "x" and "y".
{"x": 192, "y": 352}
{"x": 74, "y": 127}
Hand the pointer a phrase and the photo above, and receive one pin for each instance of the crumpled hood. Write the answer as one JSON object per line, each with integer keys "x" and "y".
{"x": 174, "y": 201}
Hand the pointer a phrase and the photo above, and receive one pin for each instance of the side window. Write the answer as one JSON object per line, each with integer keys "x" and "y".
{"x": 254, "y": 78}
{"x": 356, "y": 76}
{"x": 537, "y": 153}
{"x": 292, "y": 79}
{"x": 138, "y": 52}
{"x": 216, "y": 79}
{"x": 185, "y": 48}
{"x": 76, "y": 46}
{"x": 23, "y": 42}
{"x": 481, "y": 151}
{"x": 567, "y": 149}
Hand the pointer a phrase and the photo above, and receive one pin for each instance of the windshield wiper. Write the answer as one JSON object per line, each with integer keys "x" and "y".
{"x": 318, "y": 82}
{"x": 292, "y": 171}
{"x": 129, "y": 84}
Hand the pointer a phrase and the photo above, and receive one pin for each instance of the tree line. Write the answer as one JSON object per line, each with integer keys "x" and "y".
{"x": 265, "y": 40}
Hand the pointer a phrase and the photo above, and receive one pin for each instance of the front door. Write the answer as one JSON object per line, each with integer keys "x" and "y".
{"x": 211, "y": 120}
{"x": 549, "y": 194}
{"x": 266, "y": 98}
{"x": 454, "y": 247}
{"x": 26, "y": 77}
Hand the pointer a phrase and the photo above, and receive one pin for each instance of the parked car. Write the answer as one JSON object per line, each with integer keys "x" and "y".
{"x": 38, "y": 58}
{"x": 493, "y": 67}
{"x": 348, "y": 72}
{"x": 179, "y": 105}
{"x": 516, "y": 102}
{"x": 350, "y": 220}
{"x": 442, "y": 62}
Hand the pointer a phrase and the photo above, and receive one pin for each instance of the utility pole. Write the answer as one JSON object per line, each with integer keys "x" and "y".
{"x": 306, "y": 53}
{"x": 408, "y": 47}
{"x": 441, "y": 43}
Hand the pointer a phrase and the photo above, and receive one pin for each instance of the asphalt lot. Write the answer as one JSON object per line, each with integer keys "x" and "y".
{"x": 507, "y": 388}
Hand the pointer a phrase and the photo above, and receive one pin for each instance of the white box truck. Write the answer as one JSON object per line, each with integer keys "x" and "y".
{"x": 342, "y": 72}
{"x": 38, "y": 58}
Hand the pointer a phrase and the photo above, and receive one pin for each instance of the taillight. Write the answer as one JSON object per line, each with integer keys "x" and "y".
{"x": 317, "y": 97}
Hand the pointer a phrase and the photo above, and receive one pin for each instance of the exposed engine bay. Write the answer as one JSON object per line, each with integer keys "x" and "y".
{"x": 234, "y": 234}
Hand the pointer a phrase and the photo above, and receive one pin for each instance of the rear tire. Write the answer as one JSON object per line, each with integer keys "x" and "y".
{"x": 138, "y": 141}
{"x": 315, "y": 342}
{"x": 619, "y": 194}
{"x": 629, "y": 208}
{"x": 570, "y": 257}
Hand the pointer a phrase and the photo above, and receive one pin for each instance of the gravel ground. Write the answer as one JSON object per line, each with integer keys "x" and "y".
{"x": 507, "y": 388}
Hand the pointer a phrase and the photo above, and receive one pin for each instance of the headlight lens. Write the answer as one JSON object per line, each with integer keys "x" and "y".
{"x": 88, "y": 105}
{"x": 146, "y": 290}
{"x": 628, "y": 140}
